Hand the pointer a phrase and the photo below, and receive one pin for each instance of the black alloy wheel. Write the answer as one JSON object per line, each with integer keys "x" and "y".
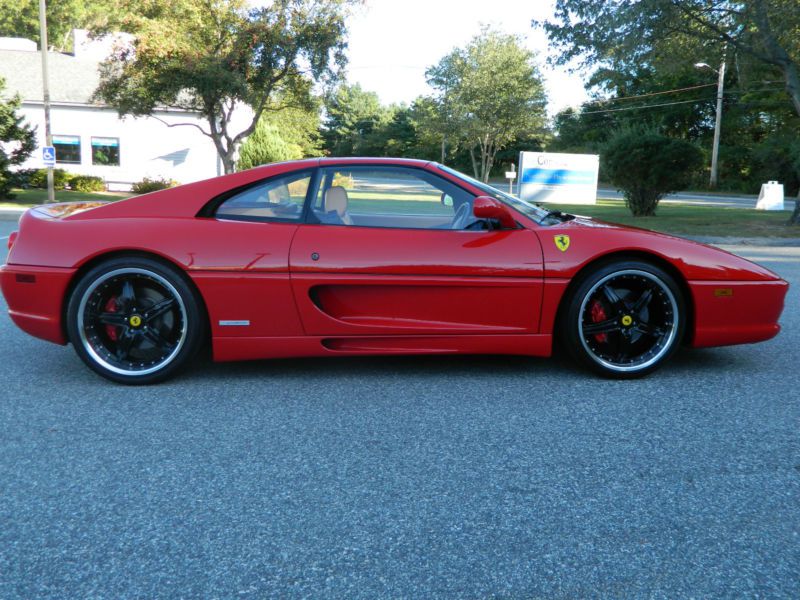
{"x": 135, "y": 320}
{"x": 624, "y": 319}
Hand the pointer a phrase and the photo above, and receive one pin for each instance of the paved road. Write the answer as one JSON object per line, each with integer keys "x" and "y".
{"x": 727, "y": 201}
{"x": 452, "y": 478}
{"x": 701, "y": 199}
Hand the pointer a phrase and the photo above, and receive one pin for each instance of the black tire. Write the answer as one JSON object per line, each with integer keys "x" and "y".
{"x": 135, "y": 320}
{"x": 623, "y": 319}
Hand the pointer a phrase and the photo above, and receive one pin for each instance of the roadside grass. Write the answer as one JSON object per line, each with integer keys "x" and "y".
{"x": 691, "y": 219}
{"x": 33, "y": 197}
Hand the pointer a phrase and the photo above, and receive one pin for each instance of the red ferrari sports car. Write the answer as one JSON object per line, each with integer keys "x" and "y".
{"x": 335, "y": 257}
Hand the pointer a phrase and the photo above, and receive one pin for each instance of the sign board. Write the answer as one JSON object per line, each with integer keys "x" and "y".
{"x": 560, "y": 178}
{"x": 771, "y": 196}
{"x": 49, "y": 156}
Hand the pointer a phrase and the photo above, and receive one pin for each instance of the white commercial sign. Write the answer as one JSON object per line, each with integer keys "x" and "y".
{"x": 558, "y": 178}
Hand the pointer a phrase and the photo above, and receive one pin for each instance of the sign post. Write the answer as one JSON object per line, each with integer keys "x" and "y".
{"x": 511, "y": 176}
{"x": 560, "y": 178}
{"x": 51, "y": 194}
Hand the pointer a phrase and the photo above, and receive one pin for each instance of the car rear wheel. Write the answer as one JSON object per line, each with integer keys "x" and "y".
{"x": 624, "y": 319}
{"x": 135, "y": 320}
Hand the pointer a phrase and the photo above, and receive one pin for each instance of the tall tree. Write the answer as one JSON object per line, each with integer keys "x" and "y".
{"x": 757, "y": 37}
{"x": 214, "y": 56}
{"x": 352, "y": 116}
{"x": 17, "y": 140}
{"x": 20, "y": 18}
{"x": 488, "y": 94}
{"x": 640, "y": 30}
{"x": 286, "y": 135}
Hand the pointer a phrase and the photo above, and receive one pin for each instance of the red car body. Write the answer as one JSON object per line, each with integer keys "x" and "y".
{"x": 309, "y": 289}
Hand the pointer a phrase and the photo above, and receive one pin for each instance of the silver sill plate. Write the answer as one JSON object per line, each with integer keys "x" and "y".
{"x": 234, "y": 323}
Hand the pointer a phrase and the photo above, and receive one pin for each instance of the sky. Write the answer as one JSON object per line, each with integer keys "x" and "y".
{"x": 392, "y": 42}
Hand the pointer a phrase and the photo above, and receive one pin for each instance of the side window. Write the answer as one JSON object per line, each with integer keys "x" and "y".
{"x": 279, "y": 198}
{"x": 387, "y": 197}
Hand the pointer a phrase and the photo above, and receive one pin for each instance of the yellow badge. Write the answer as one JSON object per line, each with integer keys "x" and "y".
{"x": 627, "y": 320}
{"x": 135, "y": 320}
{"x": 562, "y": 242}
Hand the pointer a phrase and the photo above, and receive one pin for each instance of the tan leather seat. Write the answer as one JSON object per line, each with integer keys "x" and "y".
{"x": 336, "y": 200}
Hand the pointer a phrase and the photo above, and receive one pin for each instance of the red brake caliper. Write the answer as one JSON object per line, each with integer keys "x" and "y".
{"x": 111, "y": 306}
{"x": 598, "y": 314}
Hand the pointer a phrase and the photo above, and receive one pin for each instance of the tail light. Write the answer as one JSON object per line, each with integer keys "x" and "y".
{"x": 12, "y": 238}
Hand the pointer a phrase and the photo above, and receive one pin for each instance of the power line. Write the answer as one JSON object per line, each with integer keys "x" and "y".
{"x": 673, "y": 91}
{"x": 676, "y": 90}
{"x": 609, "y": 110}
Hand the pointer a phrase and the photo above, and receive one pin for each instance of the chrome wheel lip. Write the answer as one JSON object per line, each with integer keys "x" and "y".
{"x": 667, "y": 344}
{"x": 90, "y": 349}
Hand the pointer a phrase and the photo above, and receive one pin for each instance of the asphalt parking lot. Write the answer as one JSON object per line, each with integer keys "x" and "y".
{"x": 472, "y": 477}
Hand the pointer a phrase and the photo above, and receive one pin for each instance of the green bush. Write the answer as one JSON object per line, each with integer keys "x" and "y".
{"x": 147, "y": 185}
{"x": 21, "y": 178}
{"x": 87, "y": 183}
{"x": 645, "y": 165}
{"x": 38, "y": 178}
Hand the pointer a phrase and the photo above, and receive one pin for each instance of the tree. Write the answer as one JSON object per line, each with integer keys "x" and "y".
{"x": 20, "y": 18}
{"x": 640, "y": 46}
{"x": 214, "y": 56}
{"x": 17, "y": 141}
{"x": 639, "y": 31}
{"x": 352, "y": 115}
{"x": 286, "y": 135}
{"x": 488, "y": 94}
{"x": 646, "y": 165}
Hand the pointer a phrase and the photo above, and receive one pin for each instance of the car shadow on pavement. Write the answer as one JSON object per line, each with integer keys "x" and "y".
{"x": 364, "y": 366}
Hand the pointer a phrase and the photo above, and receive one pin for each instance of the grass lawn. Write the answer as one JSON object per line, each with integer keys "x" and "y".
{"x": 32, "y": 197}
{"x": 687, "y": 219}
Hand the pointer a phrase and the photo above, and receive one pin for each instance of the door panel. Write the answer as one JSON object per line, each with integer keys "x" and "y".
{"x": 242, "y": 271}
{"x": 358, "y": 280}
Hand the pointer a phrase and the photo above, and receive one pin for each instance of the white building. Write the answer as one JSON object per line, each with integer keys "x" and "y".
{"x": 89, "y": 137}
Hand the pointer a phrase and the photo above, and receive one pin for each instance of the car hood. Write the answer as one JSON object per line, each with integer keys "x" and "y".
{"x": 593, "y": 238}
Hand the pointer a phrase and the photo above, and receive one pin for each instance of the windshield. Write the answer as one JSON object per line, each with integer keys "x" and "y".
{"x": 534, "y": 211}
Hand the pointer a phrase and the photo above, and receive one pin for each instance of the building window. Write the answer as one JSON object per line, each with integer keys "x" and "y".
{"x": 68, "y": 149}
{"x": 105, "y": 151}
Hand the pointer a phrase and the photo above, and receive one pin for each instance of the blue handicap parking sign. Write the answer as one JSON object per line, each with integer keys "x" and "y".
{"x": 49, "y": 156}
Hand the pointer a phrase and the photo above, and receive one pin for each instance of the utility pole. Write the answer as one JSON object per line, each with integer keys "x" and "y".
{"x": 51, "y": 194}
{"x": 714, "y": 179}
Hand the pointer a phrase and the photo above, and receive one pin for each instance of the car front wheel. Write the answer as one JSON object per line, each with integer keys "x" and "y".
{"x": 624, "y": 319}
{"x": 134, "y": 320}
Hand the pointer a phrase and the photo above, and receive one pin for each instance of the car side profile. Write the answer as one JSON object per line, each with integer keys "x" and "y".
{"x": 364, "y": 256}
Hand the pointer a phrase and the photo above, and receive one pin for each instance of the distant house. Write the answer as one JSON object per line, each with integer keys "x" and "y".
{"x": 89, "y": 137}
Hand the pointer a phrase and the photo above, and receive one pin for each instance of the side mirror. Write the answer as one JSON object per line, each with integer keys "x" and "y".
{"x": 484, "y": 207}
{"x": 446, "y": 199}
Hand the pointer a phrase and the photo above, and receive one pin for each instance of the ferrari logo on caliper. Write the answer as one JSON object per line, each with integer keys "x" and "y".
{"x": 562, "y": 242}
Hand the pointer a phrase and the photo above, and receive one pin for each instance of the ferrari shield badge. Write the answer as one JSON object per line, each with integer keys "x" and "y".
{"x": 562, "y": 242}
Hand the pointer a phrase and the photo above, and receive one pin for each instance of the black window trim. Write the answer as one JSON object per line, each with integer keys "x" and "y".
{"x": 80, "y": 148}
{"x": 209, "y": 210}
{"x": 435, "y": 175}
{"x": 323, "y": 169}
{"x": 105, "y": 137}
